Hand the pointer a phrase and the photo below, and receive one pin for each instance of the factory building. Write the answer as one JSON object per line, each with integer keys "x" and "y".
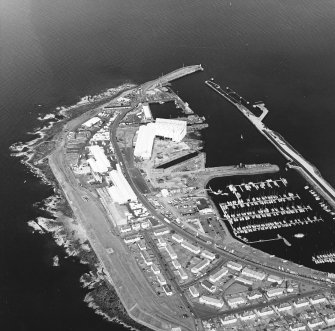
{"x": 92, "y": 121}
{"x": 166, "y": 128}
{"x": 146, "y": 111}
{"x": 99, "y": 162}
{"x": 200, "y": 266}
{"x": 253, "y": 274}
{"x": 145, "y": 141}
{"x": 121, "y": 192}
{"x": 218, "y": 275}
{"x": 211, "y": 301}
{"x": 190, "y": 247}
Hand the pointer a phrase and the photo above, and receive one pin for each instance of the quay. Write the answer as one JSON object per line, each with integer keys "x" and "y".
{"x": 309, "y": 172}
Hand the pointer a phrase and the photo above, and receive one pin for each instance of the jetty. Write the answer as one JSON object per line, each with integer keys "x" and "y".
{"x": 296, "y": 161}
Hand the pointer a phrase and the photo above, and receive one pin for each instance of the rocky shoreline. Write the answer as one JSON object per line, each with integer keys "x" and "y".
{"x": 58, "y": 221}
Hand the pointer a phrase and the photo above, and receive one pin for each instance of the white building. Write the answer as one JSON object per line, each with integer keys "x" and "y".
{"x": 330, "y": 319}
{"x": 92, "y": 121}
{"x": 284, "y": 307}
{"x": 254, "y": 295}
{"x": 218, "y": 275}
{"x": 121, "y": 192}
{"x": 155, "y": 269}
{"x": 147, "y": 111}
{"x": 182, "y": 273}
{"x": 145, "y": 141}
{"x": 166, "y": 128}
{"x": 274, "y": 292}
{"x": 301, "y": 303}
{"x": 160, "y": 278}
{"x": 244, "y": 280}
{"x": 298, "y": 327}
{"x": 318, "y": 299}
{"x": 208, "y": 255}
{"x": 275, "y": 279}
{"x": 211, "y": 301}
{"x": 161, "y": 242}
{"x": 248, "y": 315}
{"x": 231, "y": 319}
{"x": 176, "y": 237}
{"x": 233, "y": 302}
{"x": 316, "y": 322}
{"x": 265, "y": 312}
{"x": 171, "y": 252}
{"x": 161, "y": 232}
{"x": 253, "y": 274}
{"x": 173, "y": 129}
{"x": 194, "y": 291}
{"x": 176, "y": 264}
{"x": 200, "y": 266}
{"x": 99, "y": 162}
{"x": 233, "y": 265}
{"x": 192, "y": 248}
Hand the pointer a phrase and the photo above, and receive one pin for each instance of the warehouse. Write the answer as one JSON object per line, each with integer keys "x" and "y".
{"x": 121, "y": 192}
{"x": 99, "y": 162}
{"x": 166, "y": 128}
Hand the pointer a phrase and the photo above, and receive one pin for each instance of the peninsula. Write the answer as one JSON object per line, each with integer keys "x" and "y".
{"x": 138, "y": 185}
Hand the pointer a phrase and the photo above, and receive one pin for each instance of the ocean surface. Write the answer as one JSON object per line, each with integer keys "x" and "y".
{"x": 52, "y": 53}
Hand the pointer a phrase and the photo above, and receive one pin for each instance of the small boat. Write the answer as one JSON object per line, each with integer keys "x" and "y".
{"x": 299, "y": 235}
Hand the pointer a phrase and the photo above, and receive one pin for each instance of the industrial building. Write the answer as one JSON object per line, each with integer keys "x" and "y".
{"x": 200, "y": 266}
{"x": 211, "y": 301}
{"x": 121, "y": 192}
{"x": 218, "y": 275}
{"x": 166, "y": 128}
{"x": 92, "y": 121}
{"x": 98, "y": 161}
